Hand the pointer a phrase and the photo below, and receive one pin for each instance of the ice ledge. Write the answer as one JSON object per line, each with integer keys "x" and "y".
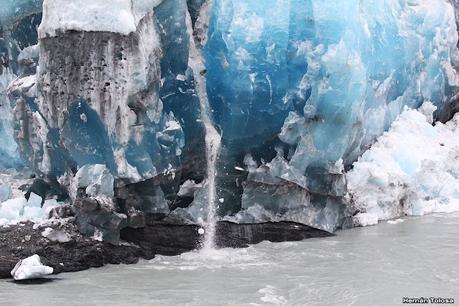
{"x": 116, "y": 16}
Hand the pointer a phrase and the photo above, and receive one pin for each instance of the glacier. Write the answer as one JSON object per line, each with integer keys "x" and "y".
{"x": 301, "y": 92}
{"x": 312, "y": 84}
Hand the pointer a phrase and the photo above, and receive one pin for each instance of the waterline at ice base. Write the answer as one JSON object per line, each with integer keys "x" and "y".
{"x": 145, "y": 127}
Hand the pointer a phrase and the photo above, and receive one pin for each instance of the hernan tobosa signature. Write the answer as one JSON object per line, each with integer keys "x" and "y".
{"x": 427, "y": 300}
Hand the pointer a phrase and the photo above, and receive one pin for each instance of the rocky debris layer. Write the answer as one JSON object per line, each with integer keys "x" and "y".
{"x": 241, "y": 235}
{"x": 80, "y": 253}
{"x": 21, "y": 241}
{"x": 169, "y": 239}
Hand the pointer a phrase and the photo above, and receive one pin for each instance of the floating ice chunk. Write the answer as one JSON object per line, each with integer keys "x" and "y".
{"x": 271, "y": 295}
{"x": 201, "y": 231}
{"x": 397, "y": 221}
{"x": 97, "y": 180}
{"x": 30, "y": 268}
{"x": 84, "y": 118}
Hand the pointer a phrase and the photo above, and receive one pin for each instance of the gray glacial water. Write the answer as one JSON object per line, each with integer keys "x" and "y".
{"x": 365, "y": 266}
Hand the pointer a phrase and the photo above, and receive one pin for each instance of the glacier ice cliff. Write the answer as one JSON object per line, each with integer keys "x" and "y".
{"x": 298, "y": 89}
{"x": 18, "y": 21}
{"x": 313, "y": 83}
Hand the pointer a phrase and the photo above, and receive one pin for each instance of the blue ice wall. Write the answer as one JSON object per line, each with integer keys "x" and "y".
{"x": 18, "y": 23}
{"x": 324, "y": 77}
{"x": 178, "y": 89}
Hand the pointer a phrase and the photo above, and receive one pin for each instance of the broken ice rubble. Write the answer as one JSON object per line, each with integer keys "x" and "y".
{"x": 96, "y": 179}
{"x": 16, "y": 210}
{"x": 411, "y": 170}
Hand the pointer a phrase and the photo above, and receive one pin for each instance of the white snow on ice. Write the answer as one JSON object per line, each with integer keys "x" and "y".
{"x": 116, "y": 16}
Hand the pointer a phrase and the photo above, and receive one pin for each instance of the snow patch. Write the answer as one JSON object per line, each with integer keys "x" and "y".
{"x": 116, "y": 16}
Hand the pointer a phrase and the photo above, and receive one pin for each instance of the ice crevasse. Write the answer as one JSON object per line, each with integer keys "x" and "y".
{"x": 299, "y": 90}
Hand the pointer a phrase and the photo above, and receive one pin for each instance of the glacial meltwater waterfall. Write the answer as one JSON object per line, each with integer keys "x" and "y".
{"x": 212, "y": 138}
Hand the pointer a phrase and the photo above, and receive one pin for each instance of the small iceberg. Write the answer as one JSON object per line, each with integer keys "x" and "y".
{"x": 397, "y": 221}
{"x": 30, "y": 268}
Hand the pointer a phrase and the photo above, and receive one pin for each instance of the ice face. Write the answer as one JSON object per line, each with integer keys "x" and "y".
{"x": 115, "y": 117}
{"x": 12, "y": 10}
{"x": 178, "y": 85}
{"x": 334, "y": 65}
{"x": 322, "y": 79}
{"x": 9, "y": 155}
{"x": 18, "y": 21}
